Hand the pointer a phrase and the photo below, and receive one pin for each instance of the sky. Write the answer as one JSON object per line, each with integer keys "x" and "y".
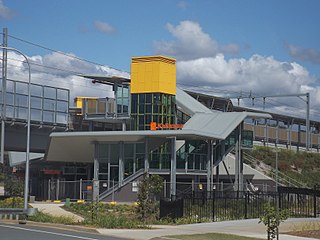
{"x": 223, "y": 47}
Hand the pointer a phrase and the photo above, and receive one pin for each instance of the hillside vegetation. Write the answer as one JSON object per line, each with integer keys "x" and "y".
{"x": 301, "y": 166}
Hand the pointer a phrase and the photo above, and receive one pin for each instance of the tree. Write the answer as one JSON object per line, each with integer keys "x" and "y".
{"x": 149, "y": 189}
{"x": 272, "y": 219}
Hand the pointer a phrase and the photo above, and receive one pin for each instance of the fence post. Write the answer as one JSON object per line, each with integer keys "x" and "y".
{"x": 57, "y": 189}
{"x": 279, "y": 200}
{"x": 49, "y": 189}
{"x": 80, "y": 188}
{"x": 315, "y": 202}
{"x": 213, "y": 202}
{"x": 246, "y": 205}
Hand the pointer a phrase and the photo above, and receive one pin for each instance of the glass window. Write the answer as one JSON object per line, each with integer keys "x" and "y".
{"x": 142, "y": 98}
{"x": 140, "y": 148}
{"x": 149, "y": 98}
{"x": 148, "y": 108}
{"x": 128, "y": 150}
{"x": 114, "y": 154}
{"x": 141, "y": 108}
{"x": 103, "y": 150}
{"x": 148, "y": 119}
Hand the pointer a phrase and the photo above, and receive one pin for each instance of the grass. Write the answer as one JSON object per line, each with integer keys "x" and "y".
{"x": 309, "y": 229}
{"x": 107, "y": 215}
{"x": 302, "y": 166}
{"x": 48, "y": 218}
{"x": 211, "y": 236}
{"x": 306, "y": 226}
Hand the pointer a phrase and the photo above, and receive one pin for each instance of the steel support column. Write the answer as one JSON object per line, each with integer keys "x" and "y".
{"x": 209, "y": 167}
{"x": 173, "y": 183}
{"x": 4, "y": 87}
{"x": 121, "y": 165}
{"x": 146, "y": 155}
{"x": 240, "y": 158}
{"x": 95, "y": 195}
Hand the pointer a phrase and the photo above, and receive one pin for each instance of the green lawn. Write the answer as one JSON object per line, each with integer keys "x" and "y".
{"x": 211, "y": 236}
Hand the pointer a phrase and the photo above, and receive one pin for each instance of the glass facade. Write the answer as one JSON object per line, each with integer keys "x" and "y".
{"x": 109, "y": 154}
{"x": 122, "y": 99}
{"x": 152, "y": 107}
{"x": 192, "y": 155}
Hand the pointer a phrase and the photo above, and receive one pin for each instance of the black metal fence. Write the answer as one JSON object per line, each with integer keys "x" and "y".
{"x": 221, "y": 206}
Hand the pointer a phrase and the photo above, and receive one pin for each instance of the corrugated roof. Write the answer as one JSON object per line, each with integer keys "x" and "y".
{"x": 79, "y": 147}
{"x": 203, "y": 124}
{"x": 219, "y": 124}
{"x": 188, "y": 104}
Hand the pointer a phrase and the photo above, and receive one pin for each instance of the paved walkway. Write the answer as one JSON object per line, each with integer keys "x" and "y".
{"x": 249, "y": 228}
{"x": 55, "y": 210}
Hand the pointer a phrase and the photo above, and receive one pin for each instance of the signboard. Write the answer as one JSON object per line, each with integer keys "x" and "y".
{"x": 164, "y": 126}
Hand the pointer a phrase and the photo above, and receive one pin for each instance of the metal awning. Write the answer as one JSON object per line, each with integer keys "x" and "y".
{"x": 107, "y": 80}
{"x": 219, "y": 124}
{"x": 79, "y": 146}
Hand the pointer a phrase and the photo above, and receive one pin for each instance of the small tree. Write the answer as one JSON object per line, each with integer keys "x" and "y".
{"x": 149, "y": 189}
{"x": 272, "y": 219}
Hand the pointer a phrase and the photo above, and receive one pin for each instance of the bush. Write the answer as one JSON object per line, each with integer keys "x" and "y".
{"x": 149, "y": 188}
{"x": 48, "y": 218}
{"x": 12, "y": 202}
{"x": 272, "y": 219}
{"x": 112, "y": 220}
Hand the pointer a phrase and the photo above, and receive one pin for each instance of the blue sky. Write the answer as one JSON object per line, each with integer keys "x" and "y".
{"x": 267, "y": 47}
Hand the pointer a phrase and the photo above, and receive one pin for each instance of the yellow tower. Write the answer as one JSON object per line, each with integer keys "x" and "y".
{"x": 153, "y": 74}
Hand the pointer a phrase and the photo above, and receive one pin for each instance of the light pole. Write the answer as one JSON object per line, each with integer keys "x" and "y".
{"x": 26, "y": 184}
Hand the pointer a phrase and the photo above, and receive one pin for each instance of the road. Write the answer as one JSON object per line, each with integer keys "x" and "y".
{"x": 15, "y": 231}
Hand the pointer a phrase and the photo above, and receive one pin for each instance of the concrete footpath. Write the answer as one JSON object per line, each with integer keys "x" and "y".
{"x": 249, "y": 228}
{"x": 55, "y": 210}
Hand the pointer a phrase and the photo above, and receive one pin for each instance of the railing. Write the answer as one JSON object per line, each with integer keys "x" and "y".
{"x": 268, "y": 134}
{"x": 282, "y": 178}
{"x": 116, "y": 186}
{"x": 233, "y": 205}
{"x": 49, "y": 105}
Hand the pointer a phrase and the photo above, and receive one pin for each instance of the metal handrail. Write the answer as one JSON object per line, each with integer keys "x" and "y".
{"x": 282, "y": 177}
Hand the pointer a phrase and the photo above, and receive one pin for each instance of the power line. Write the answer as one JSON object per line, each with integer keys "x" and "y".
{"x": 44, "y": 66}
{"x": 62, "y": 53}
{"x": 60, "y": 80}
{"x": 314, "y": 112}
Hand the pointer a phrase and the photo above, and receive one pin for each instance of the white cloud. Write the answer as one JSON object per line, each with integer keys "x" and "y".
{"x": 5, "y": 12}
{"x": 78, "y": 86}
{"x": 259, "y": 74}
{"x": 191, "y": 42}
{"x": 304, "y": 54}
{"x": 202, "y": 66}
{"x": 182, "y": 5}
{"x": 103, "y": 27}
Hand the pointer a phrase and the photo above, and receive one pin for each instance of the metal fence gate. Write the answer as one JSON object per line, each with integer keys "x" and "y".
{"x": 234, "y": 205}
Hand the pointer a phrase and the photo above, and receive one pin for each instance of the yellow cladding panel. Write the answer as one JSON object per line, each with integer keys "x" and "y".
{"x": 78, "y": 101}
{"x": 153, "y": 74}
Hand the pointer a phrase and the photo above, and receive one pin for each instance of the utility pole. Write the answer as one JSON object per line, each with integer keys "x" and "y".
{"x": 4, "y": 90}
{"x": 299, "y": 95}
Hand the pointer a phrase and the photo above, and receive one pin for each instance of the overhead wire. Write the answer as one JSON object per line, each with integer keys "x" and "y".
{"x": 60, "y": 80}
{"x": 62, "y": 53}
{"x": 256, "y": 97}
{"x": 95, "y": 63}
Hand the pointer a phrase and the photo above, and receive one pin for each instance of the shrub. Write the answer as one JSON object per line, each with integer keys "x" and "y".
{"x": 149, "y": 188}
{"x": 272, "y": 219}
{"x": 48, "y": 218}
{"x": 12, "y": 202}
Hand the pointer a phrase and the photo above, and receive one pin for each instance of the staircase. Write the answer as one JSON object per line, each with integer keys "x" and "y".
{"x": 117, "y": 186}
{"x": 271, "y": 172}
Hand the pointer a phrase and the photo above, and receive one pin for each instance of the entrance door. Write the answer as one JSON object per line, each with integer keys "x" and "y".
{"x": 109, "y": 165}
